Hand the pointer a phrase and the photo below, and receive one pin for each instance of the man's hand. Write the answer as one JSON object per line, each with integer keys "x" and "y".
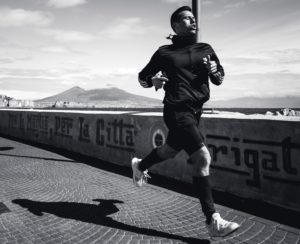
{"x": 211, "y": 65}
{"x": 159, "y": 80}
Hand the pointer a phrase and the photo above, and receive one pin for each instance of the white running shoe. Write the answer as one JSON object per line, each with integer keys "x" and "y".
{"x": 139, "y": 177}
{"x": 220, "y": 227}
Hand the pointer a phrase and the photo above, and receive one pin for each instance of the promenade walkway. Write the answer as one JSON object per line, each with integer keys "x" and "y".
{"x": 46, "y": 197}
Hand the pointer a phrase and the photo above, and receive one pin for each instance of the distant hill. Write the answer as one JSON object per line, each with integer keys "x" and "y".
{"x": 256, "y": 102}
{"x": 68, "y": 95}
{"x": 106, "y": 97}
{"x": 114, "y": 97}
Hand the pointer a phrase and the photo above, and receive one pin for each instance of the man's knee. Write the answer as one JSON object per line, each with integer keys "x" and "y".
{"x": 201, "y": 161}
{"x": 166, "y": 152}
{"x": 201, "y": 157}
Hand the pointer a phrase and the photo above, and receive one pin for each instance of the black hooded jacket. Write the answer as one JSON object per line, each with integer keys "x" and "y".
{"x": 188, "y": 75}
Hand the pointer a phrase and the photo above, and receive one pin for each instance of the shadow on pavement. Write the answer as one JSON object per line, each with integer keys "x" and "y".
{"x": 34, "y": 157}
{"x": 6, "y": 148}
{"x": 95, "y": 214}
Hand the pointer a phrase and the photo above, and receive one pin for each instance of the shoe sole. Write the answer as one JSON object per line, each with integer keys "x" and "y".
{"x": 227, "y": 234}
{"x": 232, "y": 231}
{"x": 133, "y": 162}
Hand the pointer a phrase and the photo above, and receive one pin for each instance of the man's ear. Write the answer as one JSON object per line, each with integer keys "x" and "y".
{"x": 174, "y": 26}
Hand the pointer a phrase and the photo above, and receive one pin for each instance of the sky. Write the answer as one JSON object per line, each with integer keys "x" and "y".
{"x": 49, "y": 46}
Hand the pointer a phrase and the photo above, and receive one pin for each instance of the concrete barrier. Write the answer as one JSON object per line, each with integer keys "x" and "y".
{"x": 252, "y": 156}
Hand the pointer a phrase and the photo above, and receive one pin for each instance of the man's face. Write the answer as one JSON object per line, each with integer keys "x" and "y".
{"x": 186, "y": 25}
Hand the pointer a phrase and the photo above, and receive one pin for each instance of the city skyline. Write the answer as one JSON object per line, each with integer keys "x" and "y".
{"x": 49, "y": 46}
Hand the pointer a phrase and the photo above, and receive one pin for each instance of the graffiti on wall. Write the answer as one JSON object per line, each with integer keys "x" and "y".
{"x": 63, "y": 127}
{"x": 13, "y": 121}
{"x": 270, "y": 160}
{"x": 115, "y": 134}
{"x": 37, "y": 123}
{"x": 111, "y": 134}
{"x": 255, "y": 160}
{"x": 84, "y": 131}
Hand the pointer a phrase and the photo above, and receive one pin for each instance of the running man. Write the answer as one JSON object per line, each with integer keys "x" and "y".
{"x": 183, "y": 69}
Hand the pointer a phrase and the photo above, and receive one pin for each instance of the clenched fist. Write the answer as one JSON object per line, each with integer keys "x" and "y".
{"x": 159, "y": 80}
{"x": 210, "y": 65}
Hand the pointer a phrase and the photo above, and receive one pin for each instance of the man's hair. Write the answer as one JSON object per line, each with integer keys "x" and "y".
{"x": 175, "y": 16}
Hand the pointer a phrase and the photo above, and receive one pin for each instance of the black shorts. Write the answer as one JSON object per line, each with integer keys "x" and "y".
{"x": 183, "y": 129}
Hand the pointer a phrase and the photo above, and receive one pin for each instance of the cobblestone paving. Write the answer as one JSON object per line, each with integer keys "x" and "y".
{"x": 52, "y": 199}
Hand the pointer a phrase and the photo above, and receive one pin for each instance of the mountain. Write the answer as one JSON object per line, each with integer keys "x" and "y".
{"x": 114, "y": 97}
{"x": 68, "y": 95}
{"x": 106, "y": 97}
{"x": 257, "y": 102}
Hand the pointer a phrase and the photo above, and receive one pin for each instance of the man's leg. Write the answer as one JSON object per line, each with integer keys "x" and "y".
{"x": 201, "y": 160}
{"x": 157, "y": 155}
{"x": 216, "y": 225}
{"x": 140, "y": 166}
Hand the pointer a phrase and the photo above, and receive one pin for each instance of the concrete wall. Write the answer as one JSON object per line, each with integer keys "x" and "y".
{"x": 253, "y": 156}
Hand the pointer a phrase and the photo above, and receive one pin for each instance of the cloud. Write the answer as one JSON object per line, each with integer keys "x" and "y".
{"x": 6, "y": 60}
{"x": 284, "y": 56}
{"x": 187, "y": 2}
{"x": 50, "y": 79}
{"x": 4, "y": 42}
{"x": 235, "y": 5}
{"x": 34, "y": 82}
{"x": 54, "y": 49}
{"x": 207, "y": 2}
{"x": 26, "y": 95}
{"x": 124, "y": 29}
{"x": 128, "y": 28}
{"x": 67, "y": 36}
{"x": 260, "y": 85}
{"x": 46, "y": 74}
{"x": 65, "y": 3}
{"x": 229, "y": 6}
{"x": 13, "y": 60}
{"x": 265, "y": 61}
{"x": 176, "y": 1}
{"x": 227, "y": 9}
{"x": 21, "y": 17}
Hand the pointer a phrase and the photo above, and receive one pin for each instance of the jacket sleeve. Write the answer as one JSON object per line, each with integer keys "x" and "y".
{"x": 217, "y": 77}
{"x": 151, "y": 69}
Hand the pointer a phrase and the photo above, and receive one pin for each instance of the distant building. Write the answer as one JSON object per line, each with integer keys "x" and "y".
{"x": 291, "y": 112}
{"x": 288, "y": 112}
{"x": 6, "y": 101}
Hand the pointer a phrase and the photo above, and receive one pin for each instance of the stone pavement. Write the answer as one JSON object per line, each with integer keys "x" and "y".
{"x": 48, "y": 198}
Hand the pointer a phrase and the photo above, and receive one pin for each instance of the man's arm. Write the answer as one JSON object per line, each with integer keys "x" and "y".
{"x": 150, "y": 70}
{"x": 215, "y": 69}
{"x": 217, "y": 74}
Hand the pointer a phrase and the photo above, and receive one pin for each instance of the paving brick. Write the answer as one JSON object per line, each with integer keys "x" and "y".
{"x": 291, "y": 238}
{"x": 289, "y": 229}
{"x": 265, "y": 221}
